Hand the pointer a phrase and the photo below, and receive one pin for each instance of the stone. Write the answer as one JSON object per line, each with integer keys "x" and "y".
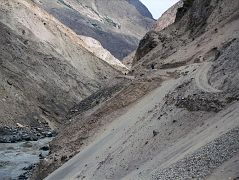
{"x": 45, "y": 148}
{"x": 155, "y": 133}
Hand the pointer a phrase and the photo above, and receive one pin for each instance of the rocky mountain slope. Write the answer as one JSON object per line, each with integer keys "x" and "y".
{"x": 174, "y": 116}
{"x": 45, "y": 68}
{"x": 168, "y": 17}
{"x": 118, "y": 25}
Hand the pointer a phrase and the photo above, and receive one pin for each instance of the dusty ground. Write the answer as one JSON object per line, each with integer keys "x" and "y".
{"x": 187, "y": 127}
{"x": 88, "y": 124}
{"x": 174, "y": 116}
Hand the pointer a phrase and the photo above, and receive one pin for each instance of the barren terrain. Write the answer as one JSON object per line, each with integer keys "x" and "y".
{"x": 175, "y": 115}
{"x": 187, "y": 126}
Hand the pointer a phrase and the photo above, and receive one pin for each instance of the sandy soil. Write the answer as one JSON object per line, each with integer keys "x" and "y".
{"x": 110, "y": 136}
{"x": 187, "y": 127}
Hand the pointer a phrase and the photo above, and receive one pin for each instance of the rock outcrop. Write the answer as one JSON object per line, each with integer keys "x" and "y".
{"x": 168, "y": 17}
{"x": 192, "y": 19}
{"x": 149, "y": 42}
{"x": 96, "y": 48}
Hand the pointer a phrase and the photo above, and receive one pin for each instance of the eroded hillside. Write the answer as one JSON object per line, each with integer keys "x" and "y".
{"x": 118, "y": 25}
{"x": 167, "y": 17}
{"x": 45, "y": 69}
{"x": 176, "y": 114}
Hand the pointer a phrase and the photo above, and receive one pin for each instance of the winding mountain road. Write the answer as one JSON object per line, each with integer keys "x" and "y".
{"x": 202, "y": 78}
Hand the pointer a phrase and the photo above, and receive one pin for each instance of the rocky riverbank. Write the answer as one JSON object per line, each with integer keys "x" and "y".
{"x": 21, "y": 148}
{"x": 18, "y": 134}
{"x": 18, "y": 160}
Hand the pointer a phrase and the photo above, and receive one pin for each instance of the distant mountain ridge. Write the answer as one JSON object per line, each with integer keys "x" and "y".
{"x": 118, "y": 25}
{"x": 167, "y": 17}
{"x": 141, "y": 8}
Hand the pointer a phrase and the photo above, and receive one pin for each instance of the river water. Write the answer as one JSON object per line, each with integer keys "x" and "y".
{"x": 15, "y": 156}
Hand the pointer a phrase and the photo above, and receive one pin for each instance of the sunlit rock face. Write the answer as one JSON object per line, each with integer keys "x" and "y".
{"x": 168, "y": 17}
{"x": 118, "y": 25}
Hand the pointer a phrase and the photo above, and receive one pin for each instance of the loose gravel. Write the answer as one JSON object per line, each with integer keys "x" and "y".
{"x": 201, "y": 163}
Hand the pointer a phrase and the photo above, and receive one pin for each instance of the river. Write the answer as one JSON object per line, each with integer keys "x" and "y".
{"x": 14, "y": 157}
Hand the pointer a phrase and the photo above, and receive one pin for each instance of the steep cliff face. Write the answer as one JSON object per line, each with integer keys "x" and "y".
{"x": 149, "y": 42}
{"x": 192, "y": 19}
{"x": 44, "y": 67}
{"x": 142, "y": 9}
{"x": 168, "y": 17}
{"x": 118, "y": 25}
